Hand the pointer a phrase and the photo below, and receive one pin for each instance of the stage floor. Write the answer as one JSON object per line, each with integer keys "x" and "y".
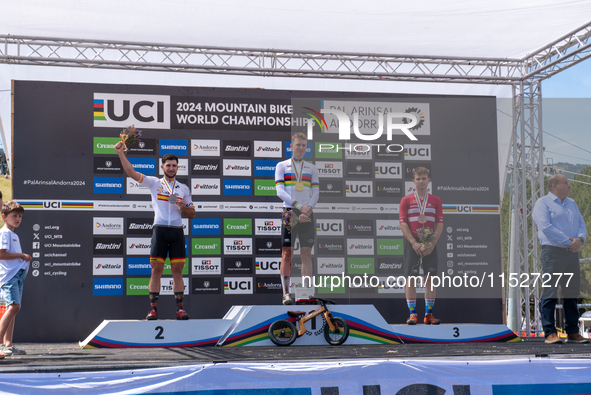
{"x": 69, "y": 357}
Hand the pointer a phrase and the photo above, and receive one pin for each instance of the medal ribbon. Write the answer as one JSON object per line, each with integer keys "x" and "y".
{"x": 170, "y": 190}
{"x": 423, "y": 206}
{"x": 298, "y": 176}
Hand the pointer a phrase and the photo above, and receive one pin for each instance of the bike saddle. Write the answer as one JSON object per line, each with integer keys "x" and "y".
{"x": 296, "y": 314}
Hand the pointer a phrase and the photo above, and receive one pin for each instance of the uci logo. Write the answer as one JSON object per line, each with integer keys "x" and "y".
{"x": 417, "y": 152}
{"x": 122, "y": 110}
{"x": 464, "y": 209}
{"x": 52, "y": 205}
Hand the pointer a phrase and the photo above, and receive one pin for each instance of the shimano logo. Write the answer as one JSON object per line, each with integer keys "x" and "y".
{"x": 174, "y": 147}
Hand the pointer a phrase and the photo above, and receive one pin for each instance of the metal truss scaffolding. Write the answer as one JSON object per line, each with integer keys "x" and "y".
{"x": 524, "y": 75}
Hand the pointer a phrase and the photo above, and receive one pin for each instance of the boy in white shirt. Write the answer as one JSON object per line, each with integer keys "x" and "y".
{"x": 14, "y": 266}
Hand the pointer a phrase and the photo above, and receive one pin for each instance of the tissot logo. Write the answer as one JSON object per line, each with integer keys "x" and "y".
{"x": 330, "y": 169}
{"x": 233, "y": 246}
{"x": 359, "y": 152}
{"x": 265, "y": 226}
{"x": 205, "y": 147}
{"x": 267, "y": 149}
{"x": 388, "y": 170}
{"x": 358, "y": 189}
{"x": 205, "y": 167}
{"x": 417, "y": 152}
{"x": 205, "y": 186}
{"x": 237, "y": 148}
{"x": 114, "y": 110}
{"x": 238, "y": 285}
{"x": 237, "y": 167}
{"x": 329, "y": 227}
{"x": 206, "y": 266}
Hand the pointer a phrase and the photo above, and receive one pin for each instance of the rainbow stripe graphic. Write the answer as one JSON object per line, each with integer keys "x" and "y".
{"x": 77, "y": 205}
{"x": 318, "y": 118}
{"x": 31, "y": 205}
{"x": 99, "y": 110}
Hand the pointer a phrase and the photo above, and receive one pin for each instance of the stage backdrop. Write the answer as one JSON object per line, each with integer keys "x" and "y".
{"x": 88, "y": 225}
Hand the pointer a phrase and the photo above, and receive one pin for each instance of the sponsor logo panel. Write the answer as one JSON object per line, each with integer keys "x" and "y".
{"x": 360, "y": 227}
{"x": 360, "y": 169}
{"x": 237, "y": 226}
{"x": 362, "y": 189}
{"x": 206, "y": 265}
{"x": 331, "y": 188}
{"x": 332, "y": 169}
{"x": 166, "y": 286}
{"x": 176, "y": 147}
{"x": 206, "y": 226}
{"x": 206, "y": 246}
{"x": 267, "y": 265}
{"x": 308, "y": 154}
{"x": 267, "y": 226}
{"x": 108, "y": 246}
{"x": 144, "y": 147}
{"x": 409, "y": 187}
{"x": 328, "y": 151}
{"x": 388, "y": 227}
{"x": 264, "y": 188}
{"x": 390, "y": 266}
{"x": 183, "y": 167}
{"x": 388, "y": 189}
{"x": 238, "y": 285}
{"x": 236, "y": 246}
{"x": 329, "y": 246}
{"x": 104, "y": 145}
{"x": 119, "y": 110}
{"x": 112, "y": 185}
{"x": 237, "y": 187}
{"x": 360, "y": 246}
{"x": 268, "y": 285}
{"x": 360, "y": 265}
{"x": 268, "y": 246}
{"x": 389, "y": 247}
{"x": 205, "y": 167}
{"x": 137, "y": 286}
{"x": 137, "y": 266}
{"x": 238, "y": 265}
{"x": 265, "y": 168}
{"x": 388, "y": 170}
{"x": 410, "y": 167}
{"x": 135, "y": 188}
{"x": 109, "y": 166}
{"x": 417, "y": 152}
{"x": 107, "y": 226}
{"x": 358, "y": 151}
{"x": 206, "y": 285}
{"x": 330, "y": 227}
{"x": 107, "y": 286}
{"x": 330, "y": 265}
{"x": 205, "y": 147}
{"x": 205, "y": 186}
{"x": 241, "y": 148}
{"x": 267, "y": 149}
{"x": 139, "y": 226}
{"x": 107, "y": 266}
{"x": 145, "y": 166}
{"x": 237, "y": 167}
{"x": 138, "y": 245}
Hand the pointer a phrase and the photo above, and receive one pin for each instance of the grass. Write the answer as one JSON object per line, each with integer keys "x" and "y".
{"x": 6, "y": 189}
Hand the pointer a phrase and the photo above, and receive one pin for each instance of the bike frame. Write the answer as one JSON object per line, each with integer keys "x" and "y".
{"x": 312, "y": 314}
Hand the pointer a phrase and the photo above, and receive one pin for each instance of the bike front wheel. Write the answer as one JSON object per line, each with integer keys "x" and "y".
{"x": 282, "y": 333}
{"x": 339, "y": 337}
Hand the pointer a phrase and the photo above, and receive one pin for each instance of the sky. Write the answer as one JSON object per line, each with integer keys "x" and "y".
{"x": 566, "y": 115}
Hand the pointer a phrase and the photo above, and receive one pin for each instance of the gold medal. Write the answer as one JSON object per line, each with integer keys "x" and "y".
{"x": 422, "y": 219}
{"x": 299, "y": 186}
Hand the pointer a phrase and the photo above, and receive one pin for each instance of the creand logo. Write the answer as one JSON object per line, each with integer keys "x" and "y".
{"x": 394, "y": 121}
{"x": 121, "y": 110}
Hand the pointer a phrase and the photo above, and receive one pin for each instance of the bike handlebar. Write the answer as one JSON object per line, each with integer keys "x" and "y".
{"x": 325, "y": 301}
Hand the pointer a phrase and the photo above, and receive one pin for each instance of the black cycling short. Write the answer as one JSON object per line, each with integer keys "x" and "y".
{"x": 306, "y": 232}
{"x": 412, "y": 261}
{"x": 169, "y": 241}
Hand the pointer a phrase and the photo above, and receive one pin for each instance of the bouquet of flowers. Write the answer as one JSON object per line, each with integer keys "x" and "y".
{"x": 425, "y": 236}
{"x": 130, "y": 135}
{"x": 290, "y": 219}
